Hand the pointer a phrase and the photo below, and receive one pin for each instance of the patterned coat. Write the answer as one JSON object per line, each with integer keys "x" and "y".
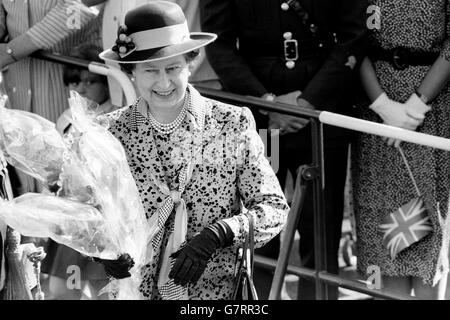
{"x": 231, "y": 172}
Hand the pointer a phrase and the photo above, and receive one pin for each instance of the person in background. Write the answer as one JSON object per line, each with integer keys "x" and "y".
{"x": 197, "y": 194}
{"x": 304, "y": 53}
{"x": 93, "y": 87}
{"x": 406, "y": 78}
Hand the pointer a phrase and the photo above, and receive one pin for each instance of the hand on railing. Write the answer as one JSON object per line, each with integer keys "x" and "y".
{"x": 288, "y": 98}
{"x": 285, "y": 123}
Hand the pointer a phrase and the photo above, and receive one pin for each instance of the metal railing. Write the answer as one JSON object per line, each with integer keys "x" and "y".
{"x": 313, "y": 173}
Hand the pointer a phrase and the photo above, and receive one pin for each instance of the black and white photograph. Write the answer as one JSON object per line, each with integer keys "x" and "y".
{"x": 250, "y": 154}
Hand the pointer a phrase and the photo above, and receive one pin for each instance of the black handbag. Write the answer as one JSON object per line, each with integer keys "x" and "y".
{"x": 243, "y": 287}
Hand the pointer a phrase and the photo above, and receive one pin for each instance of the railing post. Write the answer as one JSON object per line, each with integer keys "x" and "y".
{"x": 319, "y": 208}
{"x": 289, "y": 231}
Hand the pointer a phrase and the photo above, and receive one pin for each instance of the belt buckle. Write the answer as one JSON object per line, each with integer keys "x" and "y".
{"x": 291, "y": 50}
{"x": 398, "y": 58}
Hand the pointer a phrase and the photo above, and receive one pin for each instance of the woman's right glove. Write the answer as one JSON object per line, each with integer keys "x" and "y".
{"x": 119, "y": 268}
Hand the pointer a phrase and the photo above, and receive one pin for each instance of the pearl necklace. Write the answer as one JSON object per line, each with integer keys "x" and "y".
{"x": 168, "y": 128}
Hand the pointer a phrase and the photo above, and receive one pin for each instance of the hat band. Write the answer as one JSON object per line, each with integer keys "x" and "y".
{"x": 161, "y": 37}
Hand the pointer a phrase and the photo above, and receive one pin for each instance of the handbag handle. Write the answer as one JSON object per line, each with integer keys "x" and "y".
{"x": 249, "y": 246}
{"x": 244, "y": 261}
{"x": 408, "y": 168}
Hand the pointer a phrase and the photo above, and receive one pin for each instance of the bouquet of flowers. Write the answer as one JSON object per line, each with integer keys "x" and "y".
{"x": 96, "y": 209}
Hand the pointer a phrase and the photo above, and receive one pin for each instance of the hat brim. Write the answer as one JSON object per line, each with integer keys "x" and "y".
{"x": 196, "y": 41}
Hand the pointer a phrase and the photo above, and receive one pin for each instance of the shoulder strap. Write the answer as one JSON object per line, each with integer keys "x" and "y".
{"x": 306, "y": 18}
{"x": 250, "y": 242}
{"x": 408, "y": 168}
{"x": 251, "y": 289}
{"x": 300, "y": 11}
{"x": 244, "y": 266}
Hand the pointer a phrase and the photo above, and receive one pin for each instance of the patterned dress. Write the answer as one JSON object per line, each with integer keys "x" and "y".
{"x": 381, "y": 182}
{"x": 222, "y": 182}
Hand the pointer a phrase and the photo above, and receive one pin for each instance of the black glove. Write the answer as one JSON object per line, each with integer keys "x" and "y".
{"x": 191, "y": 260}
{"x": 53, "y": 188}
{"x": 119, "y": 268}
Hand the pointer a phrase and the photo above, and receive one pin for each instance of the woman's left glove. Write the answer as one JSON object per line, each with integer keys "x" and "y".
{"x": 416, "y": 108}
{"x": 191, "y": 260}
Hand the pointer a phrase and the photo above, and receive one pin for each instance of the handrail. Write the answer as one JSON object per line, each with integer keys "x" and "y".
{"x": 238, "y": 99}
{"x": 334, "y": 119}
{"x": 357, "y": 285}
{"x": 95, "y": 67}
{"x": 384, "y": 130}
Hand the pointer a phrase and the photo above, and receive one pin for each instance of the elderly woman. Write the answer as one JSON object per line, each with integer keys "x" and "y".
{"x": 199, "y": 164}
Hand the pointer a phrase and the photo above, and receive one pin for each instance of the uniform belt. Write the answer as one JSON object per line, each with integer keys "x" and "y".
{"x": 400, "y": 58}
{"x": 292, "y": 49}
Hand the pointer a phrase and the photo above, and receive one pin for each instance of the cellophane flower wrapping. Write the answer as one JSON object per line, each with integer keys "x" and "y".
{"x": 32, "y": 142}
{"x": 97, "y": 209}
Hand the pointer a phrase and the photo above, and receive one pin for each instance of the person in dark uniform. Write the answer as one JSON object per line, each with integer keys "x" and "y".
{"x": 301, "y": 52}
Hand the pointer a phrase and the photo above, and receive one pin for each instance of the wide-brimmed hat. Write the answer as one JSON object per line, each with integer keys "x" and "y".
{"x": 154, "y": 31}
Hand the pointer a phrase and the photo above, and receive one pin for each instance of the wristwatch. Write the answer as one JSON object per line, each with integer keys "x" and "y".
{"x": 9, "y": 51}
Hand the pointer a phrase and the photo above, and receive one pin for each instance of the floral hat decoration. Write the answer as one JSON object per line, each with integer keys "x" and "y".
{"x": 155, "y": 31}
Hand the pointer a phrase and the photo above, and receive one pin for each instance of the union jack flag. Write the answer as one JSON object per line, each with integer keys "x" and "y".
{"x": 405, "y": 226}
